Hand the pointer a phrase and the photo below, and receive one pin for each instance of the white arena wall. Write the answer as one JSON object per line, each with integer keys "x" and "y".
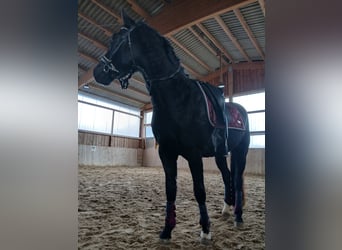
{"x": 105, "y": 150}
{"x": 89, "y": 155}
{"x": 255, "y": 161}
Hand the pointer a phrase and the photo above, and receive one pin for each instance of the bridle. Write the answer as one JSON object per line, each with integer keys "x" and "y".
{"x": 108, "y": 63}
{"x": 109, "y": 66}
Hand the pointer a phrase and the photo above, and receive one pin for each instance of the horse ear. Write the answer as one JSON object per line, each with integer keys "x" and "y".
{"x": 128, "y": 22}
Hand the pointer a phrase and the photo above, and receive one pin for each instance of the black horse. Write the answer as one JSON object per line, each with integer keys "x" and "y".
{"x": 180, "y": 120}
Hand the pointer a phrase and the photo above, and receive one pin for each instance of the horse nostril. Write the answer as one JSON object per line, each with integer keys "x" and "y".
{"x": 106, "y": 68}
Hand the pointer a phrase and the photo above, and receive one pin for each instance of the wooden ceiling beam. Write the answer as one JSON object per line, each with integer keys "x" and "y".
{"x": 138, "y": 81}
{"x": 138, "y": 91}
{"x": 93, "y": 41}
{"x": 89, "y": 77}
{"x": 231, "y": 37}
{"x": 88, "y": 57}
{"x": 104, "y": 89}
{"x": 84, "y": 69}
{"x": 189, "y": 13}
{"x": 262, "y": 5}
{"x": 96, "y": 24}
{"x": 214, "y": 52}
{"x": 147, "y": 107}
{"x": 215, "y": 42}
{"x": 236, "y": 66}
{"x": 191, "y": 71}
{"x": 137, "y": 9}
{"x": 108, "y": 10}
{"x": 86, "y": 78}
{"x": 203, "y": 64}
{"x": 249, "y": 33}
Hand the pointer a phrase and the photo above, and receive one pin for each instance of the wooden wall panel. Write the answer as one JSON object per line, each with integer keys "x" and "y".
{"x": 93, "y": 139}
{"x": 125, "y": 142}
{"x": 90, "y": 138}
{"x": 245, "y": 78}
{"x": 248, "y": 80}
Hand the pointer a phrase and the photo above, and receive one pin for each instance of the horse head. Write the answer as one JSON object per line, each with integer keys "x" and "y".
{"x": 118, "y": 62}
{"x": 137, "y": 47}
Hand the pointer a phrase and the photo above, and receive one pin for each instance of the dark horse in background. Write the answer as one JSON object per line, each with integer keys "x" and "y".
{"x": 180, "y": 121}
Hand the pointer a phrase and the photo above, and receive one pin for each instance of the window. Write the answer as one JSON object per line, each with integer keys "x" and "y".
{"x": 147, "y": 124}
{"x": 107, "y": 117}
{"x": 94, "y": 118}
{"x": 257, "y": 122}
{"x": 252, "y": 102}
{"x": 125, "y": 124}
{"x": 255, "y": 106}
{"x": 109, "y": 104}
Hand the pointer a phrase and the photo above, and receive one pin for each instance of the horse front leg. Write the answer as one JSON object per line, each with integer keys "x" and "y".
{"x": 169, "y": 162}
{"x": 221, "y": 163}
{"x": 196, "y": 168}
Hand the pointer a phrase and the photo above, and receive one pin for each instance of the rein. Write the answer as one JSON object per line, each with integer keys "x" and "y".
{"x": 108, "y": 64}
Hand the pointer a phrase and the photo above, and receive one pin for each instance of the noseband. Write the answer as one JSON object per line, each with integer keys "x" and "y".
{"x": 108, "y": 65}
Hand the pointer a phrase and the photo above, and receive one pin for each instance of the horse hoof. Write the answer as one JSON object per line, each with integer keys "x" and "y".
{"x": 165, "y": 235}
{"x": 164, "y": 241}
{"x": 205, "y": 236}
{"x": 238, "y": 224}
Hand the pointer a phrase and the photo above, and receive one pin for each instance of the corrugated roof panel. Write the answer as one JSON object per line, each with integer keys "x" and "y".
{"x": 234, "y": 25}
{"x": 255, "y": 19}
{"x": 95, "y": 12}
{"x": 92, "y": 31}
{"x": 85, "y": 63}
{"x": 115, "y": 96}
{"x": 153, "y": 7}
{"x": 81, "y": 70}
{"x": 142, "y": 97}
{"x": 104, "y": 19}
{"x": 253, "y": 54}
{"x": 117, "y": 5}
{"x": 187, "y": 60}
{"x": 83, "y": 44}
{"x": 190, "y": 41}
{"x": 214, "y": 28}
{"x": 89, "y": 48}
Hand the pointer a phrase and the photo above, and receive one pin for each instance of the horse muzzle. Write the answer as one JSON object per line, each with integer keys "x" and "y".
{"x": 101, "y": 76}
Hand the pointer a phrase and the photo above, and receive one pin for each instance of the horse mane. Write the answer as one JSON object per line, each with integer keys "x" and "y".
{"x": 165, "y": 44}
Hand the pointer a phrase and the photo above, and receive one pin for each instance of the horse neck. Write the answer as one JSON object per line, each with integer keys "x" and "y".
{"x": 156, "y": 67}
{"x": 157, "y": 60}
{"x": 173, "y": 93}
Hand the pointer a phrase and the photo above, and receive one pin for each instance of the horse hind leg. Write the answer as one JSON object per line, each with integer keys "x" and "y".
{"x": 238, "y": 163}
{"x": 221, "y": 163}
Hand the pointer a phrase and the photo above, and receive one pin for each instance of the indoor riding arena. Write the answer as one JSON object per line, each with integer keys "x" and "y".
{"x": 121, "y": 180}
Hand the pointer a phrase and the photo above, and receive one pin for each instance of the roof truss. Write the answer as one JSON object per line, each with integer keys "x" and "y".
{"x": 168, "y": 26}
